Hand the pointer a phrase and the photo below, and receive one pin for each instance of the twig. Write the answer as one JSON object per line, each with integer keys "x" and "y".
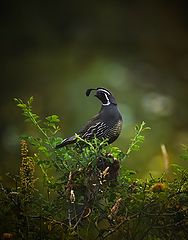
{"x": 51, "y": 220}
{"x": 120, "y": 224}
{"x": 170, "y": 225}
{"x": 80, "y": 218}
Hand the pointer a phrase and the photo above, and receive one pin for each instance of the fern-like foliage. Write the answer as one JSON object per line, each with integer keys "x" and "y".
{"x": 79, "y": 192}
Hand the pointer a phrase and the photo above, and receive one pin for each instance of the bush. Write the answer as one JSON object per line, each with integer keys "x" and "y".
{"x": 81, "y": 192}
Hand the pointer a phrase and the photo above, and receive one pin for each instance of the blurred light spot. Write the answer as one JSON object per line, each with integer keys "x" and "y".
{"x": 158, "y": 104}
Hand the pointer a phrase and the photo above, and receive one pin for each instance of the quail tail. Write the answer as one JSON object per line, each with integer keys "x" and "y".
{"x": 66, "y": 142}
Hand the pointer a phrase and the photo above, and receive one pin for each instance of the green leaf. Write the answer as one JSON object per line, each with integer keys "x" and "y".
{"x": 30, "y": 100}
{"x": 138, "y": 138}
{"x": 42, "y": 149}
{"x": 53, "y": 119}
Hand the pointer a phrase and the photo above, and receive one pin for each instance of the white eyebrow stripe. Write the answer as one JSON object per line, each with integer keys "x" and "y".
{"x": 100, "y": 89}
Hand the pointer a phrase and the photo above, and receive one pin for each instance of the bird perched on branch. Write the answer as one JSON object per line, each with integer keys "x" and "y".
{"x": 107, "y": 124}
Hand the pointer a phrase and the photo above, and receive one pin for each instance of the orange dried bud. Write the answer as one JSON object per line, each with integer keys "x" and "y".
{"x": 7, "y": 236}
{"x": 158, "y": 187}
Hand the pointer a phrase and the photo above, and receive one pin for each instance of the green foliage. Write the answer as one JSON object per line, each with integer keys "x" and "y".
{"x": 184, "y": 154}
{"x": 138, "y": 138}
{"x": 80, "y": 192}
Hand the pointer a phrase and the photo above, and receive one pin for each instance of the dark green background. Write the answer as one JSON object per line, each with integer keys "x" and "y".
{"x": 54, "y": 51}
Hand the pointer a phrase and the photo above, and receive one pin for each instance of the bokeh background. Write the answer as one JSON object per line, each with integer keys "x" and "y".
{"x": 54, "y": 51}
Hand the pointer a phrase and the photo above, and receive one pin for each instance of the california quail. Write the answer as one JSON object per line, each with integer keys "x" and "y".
{"x": 106, "y": 124}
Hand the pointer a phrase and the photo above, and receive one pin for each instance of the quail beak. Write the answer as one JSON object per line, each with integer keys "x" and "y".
{"x": 89, "y": 91}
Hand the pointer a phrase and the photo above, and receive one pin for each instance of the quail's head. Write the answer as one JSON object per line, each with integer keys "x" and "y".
{"x": 104, "y": 95}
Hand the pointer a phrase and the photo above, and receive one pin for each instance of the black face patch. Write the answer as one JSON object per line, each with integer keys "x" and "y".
{"x": 103, "y": 96}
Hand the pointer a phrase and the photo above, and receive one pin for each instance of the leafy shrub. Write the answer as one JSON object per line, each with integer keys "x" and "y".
{"x": 82, "y": 192}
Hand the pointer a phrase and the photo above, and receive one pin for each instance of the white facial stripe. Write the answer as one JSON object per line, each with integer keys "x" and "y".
{"x": 107, "y": 99}
{"x": 102, "y": 90}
